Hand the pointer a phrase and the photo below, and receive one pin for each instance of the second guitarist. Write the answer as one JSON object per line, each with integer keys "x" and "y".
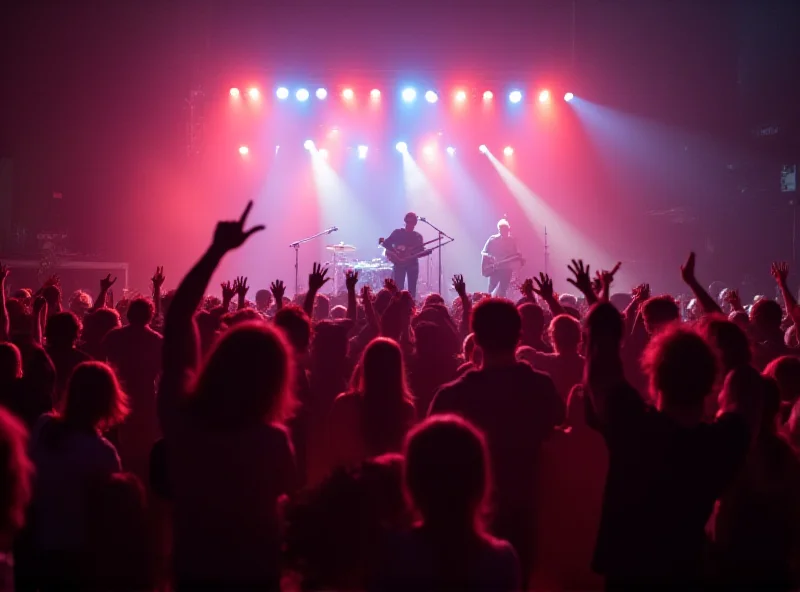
{"x": 403, "y": 248}
{"x": 500, "y": 247}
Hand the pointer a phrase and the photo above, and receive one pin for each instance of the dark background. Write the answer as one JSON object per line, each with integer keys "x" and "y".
{"x": 93, "y": 100}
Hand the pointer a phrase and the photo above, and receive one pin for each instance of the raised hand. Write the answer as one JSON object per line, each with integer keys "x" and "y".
{"x": 318, "y": 277}
{"x": 366, "y": 293}
{"x": 780, "y": 271}
{"x": 732, "y": 298}
{"x": 4, "y": 271}
{"x": 158, "y": 278}
{"x": 607, "y": 277}
{"x": 228, "y": 291}
{"x": 231, "y": 235}
{"x": 389, "y": 284}
{"x": 582, "y": 279}
{"x": 350, "y": 280}
{"x": 527, "y": 288}
{"x": 687, "y": 270}
{"x": 544, "y": 287}
{"x": 107, "y": 282}
{"x": 240, "y": 286}
{"x": 460, "y": 285}
{"x": 641, "y": 292}
{"x": 278, "y": 289}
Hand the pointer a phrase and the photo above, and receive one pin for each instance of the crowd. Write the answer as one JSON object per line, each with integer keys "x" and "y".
{"x": 371, "y": 442}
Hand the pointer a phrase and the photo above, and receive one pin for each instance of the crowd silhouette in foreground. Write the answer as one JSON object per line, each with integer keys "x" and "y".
{"x": 371, "y": 442}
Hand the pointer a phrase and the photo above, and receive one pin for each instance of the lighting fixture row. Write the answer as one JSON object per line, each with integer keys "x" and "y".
{"x": 408, "y": 94}
{"x": 402, "y": 147}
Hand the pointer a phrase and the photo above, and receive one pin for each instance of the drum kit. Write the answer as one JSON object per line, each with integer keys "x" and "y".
{"x": 372, "y": 272}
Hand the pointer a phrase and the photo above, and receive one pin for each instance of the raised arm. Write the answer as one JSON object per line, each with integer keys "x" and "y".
{"x": 316, "y": 279}
{"x": 544, "y": 288}
{"x": 158, "y": 281}
{"x": 466, "y": 303}
{"x": 706, "y": 302}
{"x": 640, "y": 295}
{"x": 369, "y": 311}
{"x": 780, "y": 271}
{"x": 4, "y": 322}
{"x": 582, "y": 280}
{"x": 105, "y": 286}
{"x": 241, "y": 288}
{"x": 181, "y": 352}
{"x": 278, "y": 289}
{"x": 228, "y": 292}
{"x": 606, "y": 278}
{"x": 38, "y": 319}
{"x": 350, "y": 281}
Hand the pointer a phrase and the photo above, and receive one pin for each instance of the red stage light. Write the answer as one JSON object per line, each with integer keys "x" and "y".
{"x": 544, "y": 96}
{"x": 254, "y": 94}
{"x": 244, "y": 150}
{"x": 375, "y": 94}
{"x": 348, "y": 94}
{"x": 235, "y": 92}
{"x": 460, "y": 96}
{"x": 488, "y": 95}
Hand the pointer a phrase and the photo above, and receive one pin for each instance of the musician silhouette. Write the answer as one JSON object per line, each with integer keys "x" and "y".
{"x": 403, "y": 248}
{"x": 498, "y": 254}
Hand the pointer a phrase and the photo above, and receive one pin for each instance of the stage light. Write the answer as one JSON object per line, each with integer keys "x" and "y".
{"x": 348, "y": 94}
{"x": 483, "y": 149}
{"x": 308, "y": 145}
{"x": 401, "y": 147}
{"x": 282, "y": 93}
{"x": 322, "y": 94}
{"x": 302, "y": 94}
{"x": 515, "y": 96}
{"x": 254, "y": 94}
{"x": 568, "y": 97}
{"x": 431, "y": 96}
{"x": 409, "y": 94}
{"x": 429, "y": 150}
{"x": 375, "y": 94}
{"x": 451, "y": 151}
{"x": 488, "y": 95}
{"x": 244, "y": 150}
{"x": 508, "y": 151}
{"x": 460, "y": 96}
{"x": 235, "y": 92}
{"x": 362, "y": 151}
{"x": 544, "y": 96}
{"x": 323, "y": 153}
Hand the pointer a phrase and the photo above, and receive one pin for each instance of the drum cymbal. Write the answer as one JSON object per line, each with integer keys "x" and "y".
{"x": 341, "y": 248}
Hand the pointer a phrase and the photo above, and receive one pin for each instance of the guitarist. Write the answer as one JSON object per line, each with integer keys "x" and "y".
{"x": 498, "y": 247}
{"x": 401, "y": 246}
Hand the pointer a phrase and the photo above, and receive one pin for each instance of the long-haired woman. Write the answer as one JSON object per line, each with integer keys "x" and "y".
{"x": 229, "y": 457}
{"x": 71, "y": 457}
{"x": 373, "y": 418}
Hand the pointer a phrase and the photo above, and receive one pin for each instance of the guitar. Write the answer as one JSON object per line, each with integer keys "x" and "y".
{"x": 398, "y": 258}
{"x": 490, "y": 265}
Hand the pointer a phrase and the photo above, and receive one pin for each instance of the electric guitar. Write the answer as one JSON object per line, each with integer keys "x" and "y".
{"x": 398, "y": 258}
{"x": 490, "y": 265}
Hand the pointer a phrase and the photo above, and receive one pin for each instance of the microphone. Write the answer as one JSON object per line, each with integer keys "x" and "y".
{"x": 422, "y": 218}
{"x": 333, "y": 229}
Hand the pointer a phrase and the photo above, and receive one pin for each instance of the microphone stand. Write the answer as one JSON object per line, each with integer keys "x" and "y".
{"x": 296, "y": 246}
{"x": 442, "y": 235}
